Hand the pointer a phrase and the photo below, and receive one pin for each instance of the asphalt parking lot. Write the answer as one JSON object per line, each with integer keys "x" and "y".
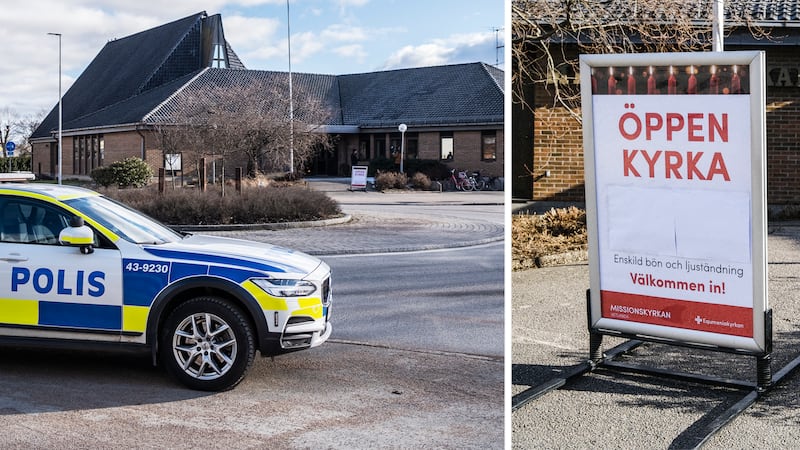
{"x": 608, "y": 409}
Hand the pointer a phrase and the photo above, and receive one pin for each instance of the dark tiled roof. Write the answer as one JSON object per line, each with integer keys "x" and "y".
{"x": 441, "y": 95}
{"x": 323, "y": 88}
{"x": 131, "y": 110}
{"x": 768, "y": 13}
{"x": 123, "y": 69}
{"x": 135, "y": 79}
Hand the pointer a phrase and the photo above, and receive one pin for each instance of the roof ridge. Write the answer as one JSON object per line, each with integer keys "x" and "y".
{"x": 175, "y": 94}
{"x": 485, "y": 68}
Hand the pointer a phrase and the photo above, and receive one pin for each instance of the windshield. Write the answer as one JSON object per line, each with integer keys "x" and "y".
{"x": 128, "y": 223}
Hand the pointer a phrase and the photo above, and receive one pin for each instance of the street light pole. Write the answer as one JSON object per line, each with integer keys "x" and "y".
{"x": 59, "y": 106}
{"x": 402, "y": 129}
{"x": 291, "y": 100}
{"x": 718, "y": 26}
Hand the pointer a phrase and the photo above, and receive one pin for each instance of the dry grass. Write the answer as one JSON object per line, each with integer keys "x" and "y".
{"x": 556, "y": 231}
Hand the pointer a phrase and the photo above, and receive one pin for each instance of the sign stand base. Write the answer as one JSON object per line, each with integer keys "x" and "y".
{"x": 765, "y": 380}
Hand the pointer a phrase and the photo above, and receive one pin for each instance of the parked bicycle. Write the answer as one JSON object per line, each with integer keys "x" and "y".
{"x": 486, "y": 183}
{"x": 462, "y": 182}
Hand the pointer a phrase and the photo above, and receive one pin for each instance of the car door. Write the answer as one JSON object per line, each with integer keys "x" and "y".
{"x": 49, "y": 287}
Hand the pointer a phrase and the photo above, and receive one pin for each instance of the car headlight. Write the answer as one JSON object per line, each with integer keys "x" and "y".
{"x": 285, "y": 288}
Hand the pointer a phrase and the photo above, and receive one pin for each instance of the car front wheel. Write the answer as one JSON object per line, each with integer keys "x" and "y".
{"x": 207, "y": 344}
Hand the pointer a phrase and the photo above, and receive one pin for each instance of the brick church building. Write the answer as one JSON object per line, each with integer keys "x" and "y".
{"x": 453, "y": 113}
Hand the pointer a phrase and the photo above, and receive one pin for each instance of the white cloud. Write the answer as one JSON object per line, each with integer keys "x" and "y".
{"x": 420, "y": 55}
{"x": 254, "y": 38}
{"x": 344, "y": 33}
{"x": 306, "y": 45}
{"x": 354, "y": 52}
{"x": 460, "y": 48}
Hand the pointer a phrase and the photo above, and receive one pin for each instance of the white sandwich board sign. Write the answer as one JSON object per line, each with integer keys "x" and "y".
{"x": 674, "y": 149}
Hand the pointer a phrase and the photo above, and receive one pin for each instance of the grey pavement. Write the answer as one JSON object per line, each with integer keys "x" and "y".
{"x": 393, "y": 221}
{"x": 608, "y": 409}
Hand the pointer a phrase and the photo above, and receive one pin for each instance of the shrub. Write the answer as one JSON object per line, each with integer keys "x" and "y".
{"x": 131, "y": 172}
{"x": 556, "y": 231}
{"x": 379, "y": 165}
{"x": 391, "y": 180}
{"x": 103, "y": 176}
{"x": 421, "y": 181}
{"x": 254, "y": 205}
{"x": 21, "y": 163}
{"x": 434, "y": 169}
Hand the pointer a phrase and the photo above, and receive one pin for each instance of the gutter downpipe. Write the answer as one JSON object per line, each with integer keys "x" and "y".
{"x": 142, "y": 150}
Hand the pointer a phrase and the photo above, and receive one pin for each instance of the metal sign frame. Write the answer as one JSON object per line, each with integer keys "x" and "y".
{"x": 756, "y": 339}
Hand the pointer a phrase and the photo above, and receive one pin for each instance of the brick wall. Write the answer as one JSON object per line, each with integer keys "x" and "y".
{"x": 466, "y": 151}
{"x": 557, "y": 148}
{"x": 428, "y": 145}
{"x": 123, "y": 145}
{"x": 783, "y": 130}
{"x": 40, "y": 161}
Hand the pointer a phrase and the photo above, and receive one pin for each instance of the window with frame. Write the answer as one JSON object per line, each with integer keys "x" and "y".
{"x": 31, "y": 222}
{"x": 446, "y": 146}
{"x": 412, "y": 145}
{"x": 489, "y": 146}
{"x": 218, "y": 61}
{"x": 88, "y": 153}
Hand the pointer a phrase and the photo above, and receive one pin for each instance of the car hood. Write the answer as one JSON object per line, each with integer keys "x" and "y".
{"x": 251, "y": 255}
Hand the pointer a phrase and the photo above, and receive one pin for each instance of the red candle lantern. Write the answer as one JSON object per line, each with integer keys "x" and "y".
{"x": 612, "y": 82}
{"x": 631, "y": 82}
{"x": 713, "y": 83}
{"x": 736, "y": 83}
{"x": 651, "y": 83}
{"x": 691, "y": 88}
{"x": 672, "y": 83}
{"x": 594, "y": 83}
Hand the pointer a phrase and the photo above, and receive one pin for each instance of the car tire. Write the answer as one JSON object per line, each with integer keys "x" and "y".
{"x": 207, "y": 344}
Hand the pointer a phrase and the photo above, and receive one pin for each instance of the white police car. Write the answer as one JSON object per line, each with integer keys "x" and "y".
{"x": 76, "y": 266}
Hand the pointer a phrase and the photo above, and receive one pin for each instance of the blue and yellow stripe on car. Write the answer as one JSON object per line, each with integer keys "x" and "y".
{"x": 63, "y": 315}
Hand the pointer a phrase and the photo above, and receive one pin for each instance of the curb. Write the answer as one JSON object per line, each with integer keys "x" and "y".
{"x": 265, "y": 226}
{"x": 562, "y": 259}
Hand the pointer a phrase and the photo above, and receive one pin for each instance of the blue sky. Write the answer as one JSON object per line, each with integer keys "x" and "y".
{"x": 327, "y": 36}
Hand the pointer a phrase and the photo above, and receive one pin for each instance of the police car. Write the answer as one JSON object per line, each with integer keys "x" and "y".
{"x": 77, "y": 266}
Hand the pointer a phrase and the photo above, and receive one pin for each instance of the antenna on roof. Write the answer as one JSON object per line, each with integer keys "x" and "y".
{"x": 497, "y": 45}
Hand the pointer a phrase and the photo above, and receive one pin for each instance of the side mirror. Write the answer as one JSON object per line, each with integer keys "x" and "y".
{"x": 77, "y": 235}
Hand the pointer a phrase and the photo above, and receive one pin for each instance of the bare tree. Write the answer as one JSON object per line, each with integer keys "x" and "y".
{"x": 26, "y": 125}
{"x": 548, "y": 35}
{"x": 19, "y": 129}
{"x": 245, "y": 119}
